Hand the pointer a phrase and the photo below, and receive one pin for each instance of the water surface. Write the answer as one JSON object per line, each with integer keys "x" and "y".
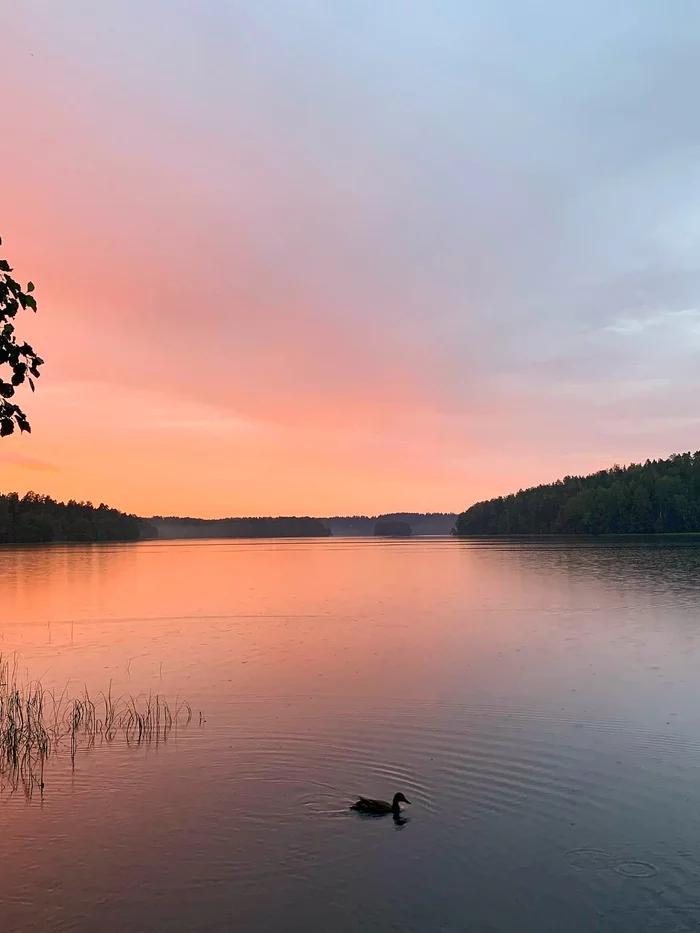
{"x": 539, "y": 703}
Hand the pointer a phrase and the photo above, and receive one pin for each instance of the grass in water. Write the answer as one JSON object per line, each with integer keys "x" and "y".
{"x": 35, "y": 724}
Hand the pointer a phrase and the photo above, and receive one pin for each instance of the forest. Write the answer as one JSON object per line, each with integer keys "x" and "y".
{"x": 421, "y": 523}
{"x": 392, "y": 529}
{"x": 35, "y": 519}
{"x": 285, "y": 527}
{"x": 655, "y": 497}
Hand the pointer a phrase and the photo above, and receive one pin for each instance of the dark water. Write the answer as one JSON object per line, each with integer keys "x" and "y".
{"x": 538, "y": 704}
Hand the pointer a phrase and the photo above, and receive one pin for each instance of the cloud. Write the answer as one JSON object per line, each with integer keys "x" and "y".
{"x": 686, "y": 323}
{"x": 457, "y": 229}
{"x": 28, "y": 463}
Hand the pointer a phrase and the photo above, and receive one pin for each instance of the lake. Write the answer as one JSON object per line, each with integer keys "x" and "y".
{"x": 538, "y": 703}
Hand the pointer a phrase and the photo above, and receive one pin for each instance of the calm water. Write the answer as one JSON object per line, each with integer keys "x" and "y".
{"x": 540, "y": 706}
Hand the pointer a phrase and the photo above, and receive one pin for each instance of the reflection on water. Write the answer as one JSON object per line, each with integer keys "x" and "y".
{"x": 538, "y": 703}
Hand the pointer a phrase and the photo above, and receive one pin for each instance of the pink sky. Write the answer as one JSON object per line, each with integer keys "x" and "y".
{"x": 296, "y": 265}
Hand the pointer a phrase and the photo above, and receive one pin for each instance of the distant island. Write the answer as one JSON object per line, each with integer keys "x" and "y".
{"x": 284, "y": 527}
{"x": 656, "y": 497}
{"x": 35, "y": 519}
{"x": 392, "y": 529}
{"x": 421, "y": 523}
{"x": 436, "y": 523}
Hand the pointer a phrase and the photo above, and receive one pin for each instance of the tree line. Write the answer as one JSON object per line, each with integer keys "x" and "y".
{"x": 35, "y": 519}
{"x": 392, "y": 529}
{"x": 655, "y": 497}
{"x": 283, "y": 527}
{"x": 422, "y": 523}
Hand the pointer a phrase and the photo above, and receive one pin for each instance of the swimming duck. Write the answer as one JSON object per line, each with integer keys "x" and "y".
{"x": 367, "y": 805}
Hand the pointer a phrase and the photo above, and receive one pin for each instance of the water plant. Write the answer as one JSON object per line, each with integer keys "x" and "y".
{"x": 36, "y": 723}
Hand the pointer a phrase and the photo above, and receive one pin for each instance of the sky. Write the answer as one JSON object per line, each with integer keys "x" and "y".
{"x": 350, "y": 256}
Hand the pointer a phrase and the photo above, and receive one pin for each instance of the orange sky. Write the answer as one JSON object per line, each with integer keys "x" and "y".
{"x": 284, "y": 265}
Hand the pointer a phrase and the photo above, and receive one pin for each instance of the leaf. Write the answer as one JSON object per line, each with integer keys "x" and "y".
{"x": 19, "y": 374}
{"x": 20, "y": 356}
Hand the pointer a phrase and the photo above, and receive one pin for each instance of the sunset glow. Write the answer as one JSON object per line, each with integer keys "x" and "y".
{"x": 333, "y": 259}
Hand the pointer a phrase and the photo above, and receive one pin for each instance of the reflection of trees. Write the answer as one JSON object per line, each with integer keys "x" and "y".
{"x": 641, "y": 571}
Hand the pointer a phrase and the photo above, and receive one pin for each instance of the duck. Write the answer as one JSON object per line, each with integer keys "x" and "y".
{"x": 368, "y": 805}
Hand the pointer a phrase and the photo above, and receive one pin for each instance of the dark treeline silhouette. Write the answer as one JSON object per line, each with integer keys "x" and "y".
{"x": 289, "y": 527}
{"x": 40, "y": 519}
{"x": 35, "y": 519}
{"x": 422, "y": 523}
{"x": 392, "y": 529}
{"x": 659, "y": 496}
{"x": 285, "y": 527}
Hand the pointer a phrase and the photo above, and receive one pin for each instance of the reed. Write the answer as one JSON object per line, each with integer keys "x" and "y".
{"x": 35, "y": 724}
